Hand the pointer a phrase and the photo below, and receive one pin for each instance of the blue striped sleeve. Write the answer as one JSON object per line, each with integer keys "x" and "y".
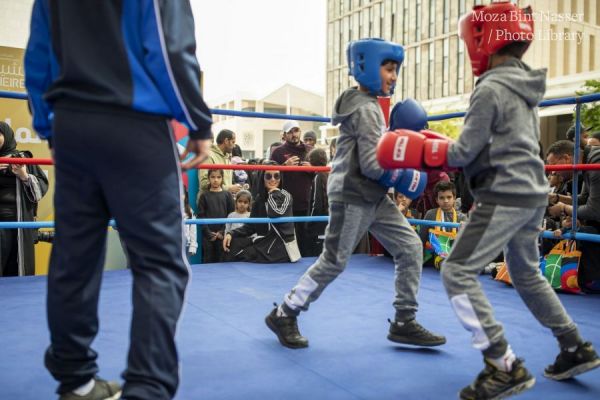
{"x": 171, "y": 60}
{"x": 41, "y": 68}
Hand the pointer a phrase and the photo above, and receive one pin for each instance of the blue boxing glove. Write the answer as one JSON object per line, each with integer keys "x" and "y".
{"x": 412, "y": 183}
{"x": 409, "y": 182}
{"x": 390, "y": 177}
{"x": 408, "y": 114}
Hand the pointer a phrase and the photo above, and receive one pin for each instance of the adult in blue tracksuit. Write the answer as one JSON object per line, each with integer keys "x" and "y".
{"x": 104, "y": 78}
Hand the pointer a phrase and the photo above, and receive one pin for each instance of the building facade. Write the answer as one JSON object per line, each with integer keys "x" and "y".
{"x": 437, "y": 71}
{"x": 255, "y": 135}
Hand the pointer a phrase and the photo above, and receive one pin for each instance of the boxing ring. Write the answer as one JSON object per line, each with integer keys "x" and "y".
{"x": 227, "y": 352}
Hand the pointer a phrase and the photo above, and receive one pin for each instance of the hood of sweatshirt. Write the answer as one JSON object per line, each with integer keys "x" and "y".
{"x": 348, "y": 102}
{"x": 519, "y": 78}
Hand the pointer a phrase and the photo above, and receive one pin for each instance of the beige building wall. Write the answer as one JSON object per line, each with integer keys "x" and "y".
{"x": 437, "y": 71}
{"x": 255, "y": 135}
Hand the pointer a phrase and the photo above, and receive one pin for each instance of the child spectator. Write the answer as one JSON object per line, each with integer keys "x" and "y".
{"x": 427, "y": 200}
{"x": 445, "y": 196}
{"x": 214, "y": 203}
{"x": 318, "y": 203}
{"x": 243, "y": 203}
{"x": 190, "y": 230}
{"x": 403, "y": 203}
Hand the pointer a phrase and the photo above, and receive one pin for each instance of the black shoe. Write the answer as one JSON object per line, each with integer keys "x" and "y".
{"x": 412, "y": 332}
{"x": 286, "y": 329}
{"x": 568, "y": 364}
{"x": 103, "y": 390}
{"x": 492, "y": 384}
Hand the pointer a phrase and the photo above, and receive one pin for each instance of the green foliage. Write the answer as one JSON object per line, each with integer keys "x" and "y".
{"x": 590, "y": 112}
{"x": 449, "y": 127}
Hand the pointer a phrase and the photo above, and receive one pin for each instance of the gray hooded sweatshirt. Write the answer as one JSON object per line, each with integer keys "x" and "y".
{"x": 498, "y": 148}
{"x": 355, "y": 170}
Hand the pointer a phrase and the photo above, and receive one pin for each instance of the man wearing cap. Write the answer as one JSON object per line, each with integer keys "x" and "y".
{"x": 293, "y": 152}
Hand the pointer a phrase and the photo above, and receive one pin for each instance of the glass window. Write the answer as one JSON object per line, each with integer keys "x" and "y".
{"x": 592, "y": 53}
{"x": 460, "y": 82}
{"x": 431, "y": 72}
{"x": 446, "y": 68}
{"x": 552, "y": 65}
{"x": 393, "y": 20}
{"x": 405, "y": 19}
{"x": 371, "y": 22}
{"x": 446, "y": 16}
{"x": 567, "y": 53}
{"x": 418, "y": 21}
{"x": 432, "y": 18}
{"x": 417, "y": 72}
{"x": 381, "y": 15}
{"x": 579, "y": 57}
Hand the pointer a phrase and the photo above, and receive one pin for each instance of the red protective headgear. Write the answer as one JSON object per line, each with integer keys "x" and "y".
{"x": 487, "y": 29}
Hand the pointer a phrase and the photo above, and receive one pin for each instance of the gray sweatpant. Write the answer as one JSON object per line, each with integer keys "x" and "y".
{"x": 347, "y": 225}
{"x": 491, "y": 229}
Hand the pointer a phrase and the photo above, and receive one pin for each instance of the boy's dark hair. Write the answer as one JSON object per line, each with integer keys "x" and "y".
{"x": 443, "y": 186}
{"x": 244, "y": 194}
{"x": 515, "y": 49}
{"x": 388, "y": 60}
{"x": 595, "y": 135}
{"x": 317, "y": 158}
{"x": 224, "y": 134}
{"x": 561, "y": 148}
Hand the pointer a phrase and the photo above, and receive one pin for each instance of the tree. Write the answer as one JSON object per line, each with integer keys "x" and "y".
{"x": 449, "y": 127}
{"x": 590, "y": 112}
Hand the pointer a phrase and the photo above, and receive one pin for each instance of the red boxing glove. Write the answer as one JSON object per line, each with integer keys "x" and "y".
{"x": 401, "y": 149}
{"x": 407, "y": 149}
{"x": 437, "y": 149}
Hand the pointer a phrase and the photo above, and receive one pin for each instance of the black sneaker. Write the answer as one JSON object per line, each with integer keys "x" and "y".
{"x": 568, "y": 364}
{"x": 286, "y": 329}
{"x": 412, "y": 332}
{"x": 103, "y": 390}
{"x": 492, "y": 384}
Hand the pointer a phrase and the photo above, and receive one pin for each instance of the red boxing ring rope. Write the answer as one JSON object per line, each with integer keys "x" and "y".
{"x": 263, "y": 167}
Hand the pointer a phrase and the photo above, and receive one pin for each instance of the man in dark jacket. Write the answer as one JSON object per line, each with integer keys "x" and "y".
{"x": 294, "y": 152}
{"x": 102, "y": 95}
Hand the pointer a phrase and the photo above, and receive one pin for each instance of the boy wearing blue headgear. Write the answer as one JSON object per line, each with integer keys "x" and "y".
{"x": 358, "y": 203}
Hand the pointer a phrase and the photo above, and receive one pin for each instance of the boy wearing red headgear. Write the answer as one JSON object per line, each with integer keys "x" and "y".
{"x": 499, "y": 153}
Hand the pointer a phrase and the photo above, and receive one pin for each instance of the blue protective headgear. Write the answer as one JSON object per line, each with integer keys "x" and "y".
{"x": 365, "y": 56}
{"x": 408, "y": 114}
